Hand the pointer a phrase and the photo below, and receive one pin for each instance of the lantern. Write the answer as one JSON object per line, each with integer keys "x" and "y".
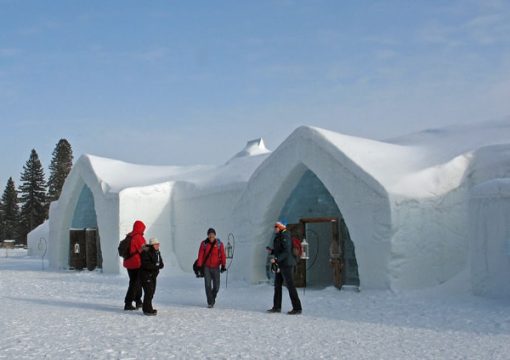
{"x": 76, "y": 248}
{"x": 230, "y": 251}
{"x": 304, "y": 247}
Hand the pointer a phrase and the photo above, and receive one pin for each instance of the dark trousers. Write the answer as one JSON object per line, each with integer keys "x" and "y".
{"x": 211, "y": 275}
{"x": 134, "y": 291}
{"x": 149, "y": 288}
{"x": 285, "y": 274}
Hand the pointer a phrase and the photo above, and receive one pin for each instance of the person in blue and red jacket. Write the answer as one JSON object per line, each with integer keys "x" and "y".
{"x": 285, "y": 261}
{"x": 211, "y": 256}
{"x": 133, "y": 265}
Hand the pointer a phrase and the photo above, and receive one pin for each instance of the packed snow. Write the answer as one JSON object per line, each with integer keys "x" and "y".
{"x": 79, "y": 315}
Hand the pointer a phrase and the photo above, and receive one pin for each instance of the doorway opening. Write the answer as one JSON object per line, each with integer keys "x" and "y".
{"x": 312, "y": 214}
{"x": 84, "y": 240}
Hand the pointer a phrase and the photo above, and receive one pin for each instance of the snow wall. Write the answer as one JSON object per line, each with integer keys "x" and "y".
{"x": 199, "y": 210}
{"x": 37, "y": 240}
{"x": 429, "y": 243}
{"x": 489, "y": 225}
{"x": 151, "y": 204}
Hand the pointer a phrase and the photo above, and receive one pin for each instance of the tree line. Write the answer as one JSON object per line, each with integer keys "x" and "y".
{"x": 25, "y": 208}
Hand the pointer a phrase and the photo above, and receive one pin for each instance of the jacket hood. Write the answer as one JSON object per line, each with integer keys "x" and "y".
{"x": 138, "y": 228}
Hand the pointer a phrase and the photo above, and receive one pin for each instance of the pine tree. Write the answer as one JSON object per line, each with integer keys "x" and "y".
{"x": 32, "y": 195}
{"x": 10, "y": 211}
{"x": 2, "y": 232}
{"x": 60, "y": 166}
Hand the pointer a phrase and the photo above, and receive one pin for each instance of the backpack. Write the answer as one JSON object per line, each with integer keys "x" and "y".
{"x": 124, "y": 247}
{"x": 297, "y": 249}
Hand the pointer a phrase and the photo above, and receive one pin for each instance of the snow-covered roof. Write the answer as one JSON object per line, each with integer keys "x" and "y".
{"x": 253, "y": 147}
{"x": 424, "y": 164}
{"x": 115, "y": 175}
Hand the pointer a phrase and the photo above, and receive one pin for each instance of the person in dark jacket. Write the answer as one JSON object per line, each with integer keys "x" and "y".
{"x": 284, "y": 261}
{"x": 211, "y": 255}
{"x": 152, "y": 262}
{"x": 133, "y": 264}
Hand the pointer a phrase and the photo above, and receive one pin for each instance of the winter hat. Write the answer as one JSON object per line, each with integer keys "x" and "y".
{"x": 211, "y": 230}
{"x": 280, "y": 225}
{"x": 153, "y": 241}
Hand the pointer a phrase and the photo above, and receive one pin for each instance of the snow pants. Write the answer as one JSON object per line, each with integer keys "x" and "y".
{"x": 149, "y": 288}
{"x": 134, "y": 291}
{"x": 285, "y": 274}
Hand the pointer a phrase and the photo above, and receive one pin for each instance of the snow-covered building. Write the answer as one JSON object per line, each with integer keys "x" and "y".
{"x": 407, "y": 213}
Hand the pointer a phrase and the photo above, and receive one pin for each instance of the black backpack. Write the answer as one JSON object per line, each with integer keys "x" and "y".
{"x": 124, "y": 247}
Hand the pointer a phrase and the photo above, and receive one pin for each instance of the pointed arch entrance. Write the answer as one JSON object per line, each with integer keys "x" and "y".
{"x": 84, "y": 241}
{"x": 312, "y": 213}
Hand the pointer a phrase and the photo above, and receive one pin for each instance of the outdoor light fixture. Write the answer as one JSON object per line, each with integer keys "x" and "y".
{"x": 304, "y": 246}
{"x": 230, "y": 250}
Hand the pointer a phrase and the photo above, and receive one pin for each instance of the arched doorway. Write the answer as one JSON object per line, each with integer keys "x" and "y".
{"x": 84, "y": 241}
{"x": 312, "y": 213}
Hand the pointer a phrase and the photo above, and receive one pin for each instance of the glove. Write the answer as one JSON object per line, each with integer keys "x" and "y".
{"x": 223, "y": 269}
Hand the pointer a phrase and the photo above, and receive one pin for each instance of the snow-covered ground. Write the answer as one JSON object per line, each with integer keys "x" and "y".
{"x": 79, "y": 315}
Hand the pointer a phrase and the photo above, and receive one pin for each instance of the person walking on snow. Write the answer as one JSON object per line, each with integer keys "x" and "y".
{"x": 211, "y": 256}
{"x": 133, "y": 265}
{"x": 285, "y": 261}
{"x": 151, "y": 264}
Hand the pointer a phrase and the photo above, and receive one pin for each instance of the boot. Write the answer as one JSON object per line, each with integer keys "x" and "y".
{"x": 274, "y": 310}
{"x": 129, "y": 307}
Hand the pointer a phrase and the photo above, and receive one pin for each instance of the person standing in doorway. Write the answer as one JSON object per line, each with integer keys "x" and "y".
{"x": 211, "y": 257}
{"x": 151, "y": 264}
{"x": 284, "y": 261}
{"x": 133, "y": 265}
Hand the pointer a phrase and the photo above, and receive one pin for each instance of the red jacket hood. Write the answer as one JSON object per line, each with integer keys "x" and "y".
{"x": 138, "y": 228}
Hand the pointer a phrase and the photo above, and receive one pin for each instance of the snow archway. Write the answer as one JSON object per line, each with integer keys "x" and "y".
{"x": 84, "y": 204}
{"x": 365, "y": 204}
{"x": 311, "y": 200}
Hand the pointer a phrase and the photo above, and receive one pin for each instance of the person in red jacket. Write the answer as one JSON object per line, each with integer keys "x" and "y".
{"x": 211, "y": 256}
{"x": 133, "y": 265}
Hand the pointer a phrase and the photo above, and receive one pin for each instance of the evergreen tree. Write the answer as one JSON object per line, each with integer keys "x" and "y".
{"x": 2, "y": 232}
{"x": 32, "y": 195}
{"x": 10, "y": 211}
{"x": 60, "y": 166}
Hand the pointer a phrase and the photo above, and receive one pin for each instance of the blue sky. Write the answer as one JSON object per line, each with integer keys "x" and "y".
{"x": 189, "y": 82}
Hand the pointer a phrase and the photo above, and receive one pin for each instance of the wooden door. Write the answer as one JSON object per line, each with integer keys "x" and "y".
{"x": 91, "y": 246}
{"x": 77, "y": 249}
{"x": 336, "y": 256}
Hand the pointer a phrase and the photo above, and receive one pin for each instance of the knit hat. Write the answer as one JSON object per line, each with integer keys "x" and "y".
{"x": 281, "y": 226}
{"x": 211, "y": 230}
{"x": 153, "y": 241}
